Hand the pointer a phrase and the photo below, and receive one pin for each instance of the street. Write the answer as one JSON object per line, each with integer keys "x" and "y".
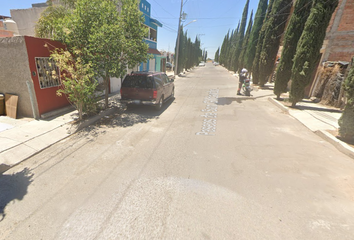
{"x": 209, "y": 165}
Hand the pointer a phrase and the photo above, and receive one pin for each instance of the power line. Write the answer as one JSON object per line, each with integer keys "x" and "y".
{"x": 163, "y": 8}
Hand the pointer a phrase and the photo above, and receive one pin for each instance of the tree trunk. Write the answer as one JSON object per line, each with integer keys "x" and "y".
{"x": 106, "y": 82}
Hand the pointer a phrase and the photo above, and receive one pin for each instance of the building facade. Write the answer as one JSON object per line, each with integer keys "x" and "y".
{"x": 8, "y": 27}
{"x": 158, "y": 61}
{"x": 25, "y": 71}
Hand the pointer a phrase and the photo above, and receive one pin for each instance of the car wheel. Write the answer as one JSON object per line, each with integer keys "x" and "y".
{"x": 160, "y": 103}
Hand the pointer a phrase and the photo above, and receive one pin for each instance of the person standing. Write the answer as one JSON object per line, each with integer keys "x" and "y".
{"x": 241, "y": 79}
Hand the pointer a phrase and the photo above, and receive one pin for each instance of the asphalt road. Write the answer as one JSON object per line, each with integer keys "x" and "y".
{"x": 210, "y": 165}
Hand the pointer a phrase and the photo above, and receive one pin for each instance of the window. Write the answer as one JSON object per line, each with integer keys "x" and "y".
{"x": 158, "y": 81}
{"x": 165, "y": 78}
{"x": 48, "y": 72}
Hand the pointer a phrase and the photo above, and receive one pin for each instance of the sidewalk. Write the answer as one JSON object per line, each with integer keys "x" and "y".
{"x": 320, "y": 119}
{"x": 23, "y": 138}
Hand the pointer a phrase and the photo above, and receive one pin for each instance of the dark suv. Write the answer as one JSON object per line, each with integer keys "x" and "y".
{"x": 147, "y": 88}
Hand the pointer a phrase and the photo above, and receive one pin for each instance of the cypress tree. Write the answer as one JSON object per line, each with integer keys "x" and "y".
{"x": 232, "y": 47}
{"x": 253, "y": 39}
{"x": 308, "y": 49}
{"x": 197, "y": 51}
{"x": 275, "y": 27}
{"x": 181, "y": 52}
{"x": 245, "y": 43}
{"x": 240, "y": 37}
{"x": 223, "y": 50}
{"x": 292, "y": 35}
{"x": 255, "y": 64}
{"x": 189, "y": 61}
{"x": 216, "y": 58}
{"x": 346, "y": 121}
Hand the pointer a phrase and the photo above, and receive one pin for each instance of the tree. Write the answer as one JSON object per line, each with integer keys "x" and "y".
{"x": 255, "y": 64}
{"x": 241, "y": 63}
{"x": 50, "y": 22}
{"x": 275, "y": 26}
{"x": 224, "y": 49}
{"x": 346, "y": 124}
{"x": 292, "y": 35}
{"x": 232, "y": 48}
{"x": 197, "y": 51}
{"x": 216, "y": 58}
{"x": 189, "y": 52}
{"x": 181, "y": 51}
{"x": 253, "y": 39}
{"x": 107, "y": 39}
{"x": 76, "y": 78}
{"x": 240, "y": 37}
{"x": 308, "y": 49}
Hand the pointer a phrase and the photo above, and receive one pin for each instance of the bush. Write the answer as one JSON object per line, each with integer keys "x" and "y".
{"x": 346, "y": 121}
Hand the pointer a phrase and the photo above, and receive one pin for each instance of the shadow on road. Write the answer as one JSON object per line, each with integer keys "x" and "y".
{"x": 238, "y": 99}
{"x": 13, "y": 187}
{"x": 229, "y": 100}
{"x": 127, "y": 117}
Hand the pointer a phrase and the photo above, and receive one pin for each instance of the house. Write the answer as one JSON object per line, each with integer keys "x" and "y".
{"x": 25, "y": 71}
{"x": 27, "y": 19}
{"x": 158, "y": 62}
{"x": 8, "y": 27}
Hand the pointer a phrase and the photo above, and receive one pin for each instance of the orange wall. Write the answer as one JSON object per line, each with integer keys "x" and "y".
{"x": 46, "y": 98}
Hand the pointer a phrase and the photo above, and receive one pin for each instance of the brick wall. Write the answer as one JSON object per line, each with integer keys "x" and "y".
{"x": 341, "y": 33}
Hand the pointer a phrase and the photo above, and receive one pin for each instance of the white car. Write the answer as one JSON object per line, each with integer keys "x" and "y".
{"x": 202, "y": 64}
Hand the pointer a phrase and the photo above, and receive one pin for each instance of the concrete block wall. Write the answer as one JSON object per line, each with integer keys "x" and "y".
{"x": 15, "y": 71}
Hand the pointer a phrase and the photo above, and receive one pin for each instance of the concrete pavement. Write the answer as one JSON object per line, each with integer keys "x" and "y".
{"x": 21, "y": 139}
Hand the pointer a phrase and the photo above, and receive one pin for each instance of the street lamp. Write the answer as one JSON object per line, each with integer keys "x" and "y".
{"x": 190, "y": 23}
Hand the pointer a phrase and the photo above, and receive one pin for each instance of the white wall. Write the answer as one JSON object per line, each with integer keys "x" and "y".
{"x": 115, "y": 84}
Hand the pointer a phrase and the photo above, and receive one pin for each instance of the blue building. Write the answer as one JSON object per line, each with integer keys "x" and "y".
{"x": 158, "y": 63}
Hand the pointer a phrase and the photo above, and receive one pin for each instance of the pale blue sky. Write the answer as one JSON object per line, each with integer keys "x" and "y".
{"x": 214, "y": 18}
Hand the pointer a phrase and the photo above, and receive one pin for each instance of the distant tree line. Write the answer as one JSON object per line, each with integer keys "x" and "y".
{"x": 302, "y": 37}
{"x": 189, "y": 52}
{"x": 257, "y": 48}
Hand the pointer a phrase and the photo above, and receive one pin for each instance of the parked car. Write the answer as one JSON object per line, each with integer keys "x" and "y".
{"x": 202, "y": 64}
{"x": 216, "y": 64}
{"x": 169, "y": 66}
{"x": 147, "y": 88}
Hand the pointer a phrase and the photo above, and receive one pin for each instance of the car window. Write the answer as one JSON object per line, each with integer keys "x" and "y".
{"x": 165, "y": 78}
{"x": 158, "y": 80}
{"x": 137, "y": 81}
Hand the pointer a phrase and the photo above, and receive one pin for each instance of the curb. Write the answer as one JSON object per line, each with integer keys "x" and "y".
{"x": 279, "y": 105}
{"x": 341, "y": 146}
{"x": 338, "y": 144}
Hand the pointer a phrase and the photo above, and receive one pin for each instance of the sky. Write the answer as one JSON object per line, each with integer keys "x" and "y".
{"x": 214, "y": 19}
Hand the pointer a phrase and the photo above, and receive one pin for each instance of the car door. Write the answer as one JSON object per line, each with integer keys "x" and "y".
{"x": 167, "y": 85}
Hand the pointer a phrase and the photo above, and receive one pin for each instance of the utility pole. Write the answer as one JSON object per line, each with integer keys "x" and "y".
{"x": 179, "y": 30}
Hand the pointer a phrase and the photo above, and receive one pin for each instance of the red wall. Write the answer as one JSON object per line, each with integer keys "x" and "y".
{"x": 46, "y": 98}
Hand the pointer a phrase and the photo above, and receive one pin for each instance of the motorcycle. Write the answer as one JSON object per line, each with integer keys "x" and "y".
{"x": 246, "y": 87}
